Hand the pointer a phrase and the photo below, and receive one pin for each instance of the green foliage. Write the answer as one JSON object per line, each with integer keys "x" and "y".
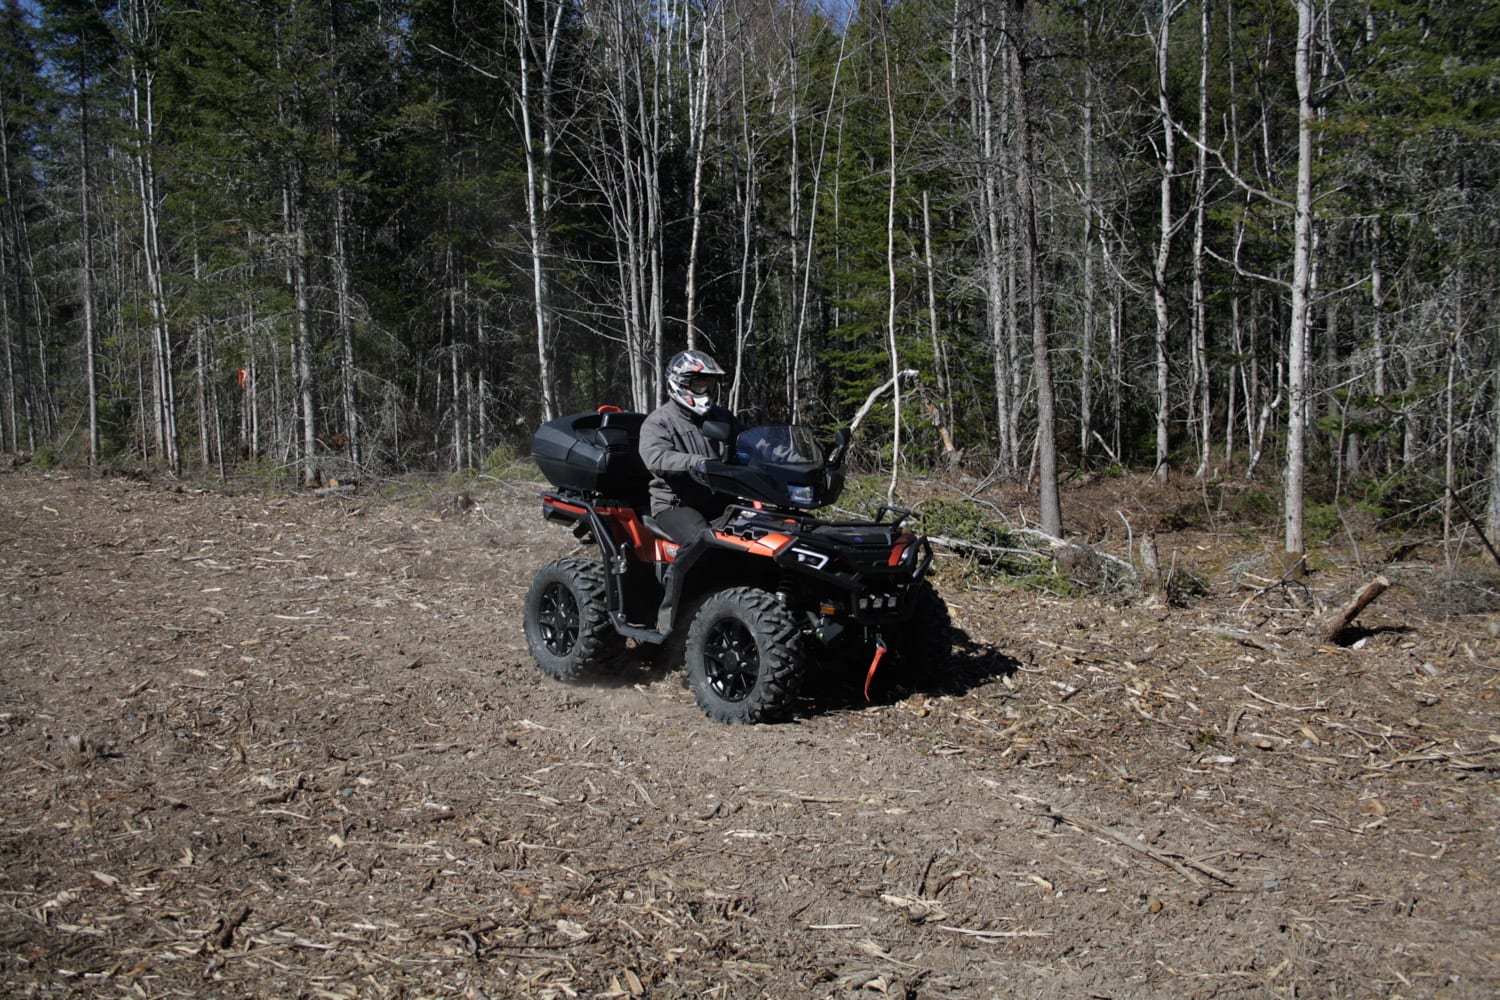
{"x": 503, "y": 463}
{"x": 1321, "y": 521}
{"x": 1254, "y": 505}
{"x": 44, "y": 458}
{"x": 863, "y": 496}
{"x": 989, "y": 546}
{"x": 263, "y": 474}
{"x": 966, "y": 520}
{"x": 1407, "y": 497}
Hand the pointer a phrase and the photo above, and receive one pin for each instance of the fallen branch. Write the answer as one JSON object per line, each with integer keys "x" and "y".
{"x": 992, "y": 551}
{"x": 1350, "y": 611}
{"x": 994, "y": 935}
{"x": 1474, "y": 523}
{"x": 1183, "y": 868}
{"x": 876, "y": 394}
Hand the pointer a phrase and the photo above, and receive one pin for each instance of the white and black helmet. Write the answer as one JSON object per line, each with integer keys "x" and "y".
{"x": 691, "y": 377}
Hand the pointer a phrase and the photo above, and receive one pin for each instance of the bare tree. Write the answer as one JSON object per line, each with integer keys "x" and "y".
{"x": 983, "y": 48}
{"x": 1167, "y": 157}
{"x": 1493, "y": 519}
{"x": 702, "y": 56}
{"x": 539, "y": 56}
{"x": 890, "y": 255}
{"x": 1203, "y": 398}
{"x": 1302, "y": 276}
{"x": 1050, "y": 503}
{"x": 944, "y": 409}
{"x": 623, "y": 162}
{"x": 1086, "y": 429}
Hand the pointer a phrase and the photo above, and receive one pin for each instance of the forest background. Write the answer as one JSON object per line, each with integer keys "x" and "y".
{"x": 1233, "y": 238}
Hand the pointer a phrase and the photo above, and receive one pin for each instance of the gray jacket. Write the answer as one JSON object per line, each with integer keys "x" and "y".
{"x": 672, "y": 442}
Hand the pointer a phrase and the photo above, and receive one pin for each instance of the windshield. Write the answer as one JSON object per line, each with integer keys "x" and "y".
{"x": 779, "y": 445}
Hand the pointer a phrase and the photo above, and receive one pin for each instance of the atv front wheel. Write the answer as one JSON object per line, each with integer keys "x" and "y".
{"x": 744, "y": 657}
{"x": 567, "y": 620}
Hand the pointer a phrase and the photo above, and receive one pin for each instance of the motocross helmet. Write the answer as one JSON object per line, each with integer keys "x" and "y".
{"x": 691, "y": 378}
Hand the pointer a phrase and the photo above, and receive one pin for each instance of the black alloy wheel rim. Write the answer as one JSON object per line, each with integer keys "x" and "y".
{"x": 731, "y": 661}
{"x": 558, "y": 617}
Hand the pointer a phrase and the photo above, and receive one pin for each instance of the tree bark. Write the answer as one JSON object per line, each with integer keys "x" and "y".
{"x": 1350, "y": 611}
{"x": 1049, "y": 501}
{"x": 1090, "y": 292}
{"x": 87, "y": 266}
{"x": 1492, "y": 521}
{"x": 1201, "y": 373}
{"x": 890, "y": 260}
{"x": 1168, "y": 226}
{"x": 950, "y": 451}
{"x": 1302, "y": 264}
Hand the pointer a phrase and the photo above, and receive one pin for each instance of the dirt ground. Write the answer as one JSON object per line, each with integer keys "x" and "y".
{"x": 265, "y": 745}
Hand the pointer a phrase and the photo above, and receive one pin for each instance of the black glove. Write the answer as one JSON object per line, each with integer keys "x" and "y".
{"x": 699, "y": 471}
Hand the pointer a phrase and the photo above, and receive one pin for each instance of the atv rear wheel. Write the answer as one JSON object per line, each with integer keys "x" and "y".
{"x": 567, "y": 620}
{"x": 744, "y": 657}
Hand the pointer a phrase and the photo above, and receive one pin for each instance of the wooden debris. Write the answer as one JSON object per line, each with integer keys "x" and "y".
{"x": 1183, "y": 867}
{"x": 994, "y": 935}
{"x": 1350, "y": 611}
{"x": 225, "y": 935}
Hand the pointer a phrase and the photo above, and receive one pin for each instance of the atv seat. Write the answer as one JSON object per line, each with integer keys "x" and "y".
{"x": 654, "y": 528}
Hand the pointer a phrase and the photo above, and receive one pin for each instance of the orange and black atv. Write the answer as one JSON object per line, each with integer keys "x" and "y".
{"x": 768, "y": 591}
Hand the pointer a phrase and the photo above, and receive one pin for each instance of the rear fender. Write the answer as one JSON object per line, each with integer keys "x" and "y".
{"x": 627, "y": 531}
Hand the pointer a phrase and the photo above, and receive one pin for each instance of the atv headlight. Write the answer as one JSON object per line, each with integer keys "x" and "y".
{"x": 800, "y": 494}
{"x": 807, "y": 557}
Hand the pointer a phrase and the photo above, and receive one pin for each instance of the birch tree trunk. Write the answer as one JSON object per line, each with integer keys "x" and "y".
{"x": 201, "y": 367}
{"x": 13, "y": 264}
{"x": 890, "y": 261}
{"x": 303, "y": 348}
{"x": 1090, "y": 292}
{"x": 1450, "y": 470}
{"x": 700, "y": 94}
{"x": 1168, "y": 165}
{"x": 86, "y": 290}
{"x": 1201, "y": 374}
{"x": 1296, "y": 432}
{"x": 344, "y": 318}
{"x": 747, "y": 191}
{"x": 539, "y": 173}
{"x": 626, "y": 167}
{"x": 164, "y": 394}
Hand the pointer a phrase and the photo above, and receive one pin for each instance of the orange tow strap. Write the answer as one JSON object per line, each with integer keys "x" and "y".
{"x": 879, "y": 652}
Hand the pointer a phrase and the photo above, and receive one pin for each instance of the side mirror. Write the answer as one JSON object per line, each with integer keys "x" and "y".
{"x": 717, "y": 430}
{"x": 840, "y": 447}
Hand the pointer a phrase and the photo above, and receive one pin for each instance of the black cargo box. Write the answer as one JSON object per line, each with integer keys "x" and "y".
{"x": 594, "y": 451}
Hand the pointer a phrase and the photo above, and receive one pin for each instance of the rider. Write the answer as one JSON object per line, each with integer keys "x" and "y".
{"x": 676, "y": 452}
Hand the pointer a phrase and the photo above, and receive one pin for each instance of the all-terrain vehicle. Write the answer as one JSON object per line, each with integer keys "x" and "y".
{"x": 767, "y": 592}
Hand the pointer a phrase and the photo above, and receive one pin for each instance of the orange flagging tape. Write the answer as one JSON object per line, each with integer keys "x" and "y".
{"x": 879, "y": 652}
